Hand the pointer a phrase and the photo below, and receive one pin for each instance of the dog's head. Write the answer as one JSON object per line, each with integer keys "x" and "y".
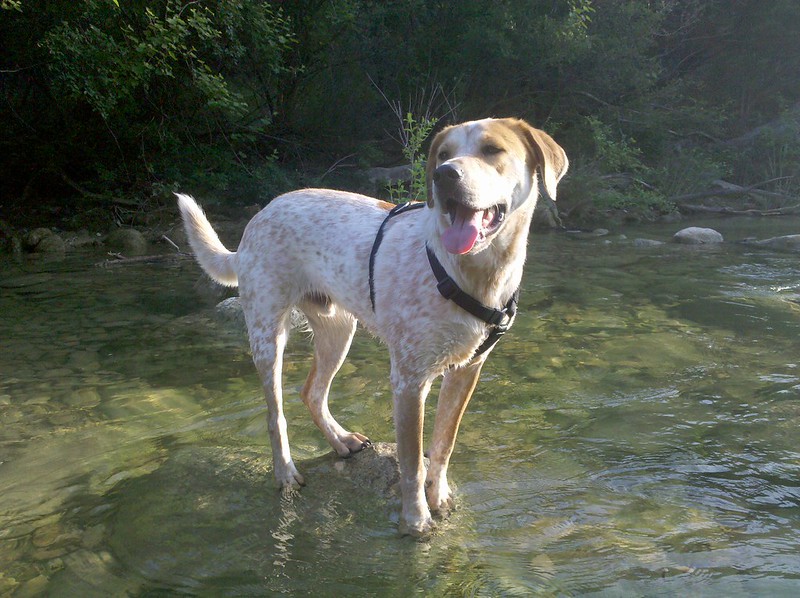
{"x": 481, "y": 172}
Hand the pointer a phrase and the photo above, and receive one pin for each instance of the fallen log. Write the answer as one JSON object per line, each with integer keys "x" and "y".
{"x": 726, "y": 189}
{"x": 727, "y": 211}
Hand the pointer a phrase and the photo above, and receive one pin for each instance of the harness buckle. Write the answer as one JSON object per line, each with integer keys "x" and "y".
{"x": 448, "y": 287}
{"x": 500, "y": 320}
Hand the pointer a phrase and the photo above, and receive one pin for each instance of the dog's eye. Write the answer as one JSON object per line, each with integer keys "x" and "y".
{"x": 491, "y": 150}
{"x": 443, "y": 155}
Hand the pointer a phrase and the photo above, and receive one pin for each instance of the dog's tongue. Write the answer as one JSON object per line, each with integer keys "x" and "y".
{"x": 463, "y": 232}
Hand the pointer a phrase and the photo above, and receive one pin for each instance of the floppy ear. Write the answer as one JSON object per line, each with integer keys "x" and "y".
{"x": 546, "y": 155}
{"x": 431, "y": 165}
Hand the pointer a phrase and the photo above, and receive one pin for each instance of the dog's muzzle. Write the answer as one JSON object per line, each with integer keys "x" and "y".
{"x": 467, "y": 225}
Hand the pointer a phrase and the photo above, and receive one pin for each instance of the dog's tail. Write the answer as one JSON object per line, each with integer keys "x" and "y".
{"x": 215, "y": 259}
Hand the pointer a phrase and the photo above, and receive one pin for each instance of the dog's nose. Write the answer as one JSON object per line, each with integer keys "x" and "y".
{"x": 447, "y": 174}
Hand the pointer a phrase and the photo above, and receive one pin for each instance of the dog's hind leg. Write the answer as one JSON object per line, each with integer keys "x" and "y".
{"x": 267, "y": 342}
{"x": 333, "y": 330}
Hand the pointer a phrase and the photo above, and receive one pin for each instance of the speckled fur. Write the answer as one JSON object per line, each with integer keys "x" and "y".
{"x": 310, "y": 249}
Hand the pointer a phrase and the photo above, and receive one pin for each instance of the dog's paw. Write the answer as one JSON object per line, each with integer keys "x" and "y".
{"x": 419, "y": 528}
{"x": 439, "y": 498}
{"x": 350, "y": 443}
{"x": 415, "y": 519}
{"x": 289, "y": 479}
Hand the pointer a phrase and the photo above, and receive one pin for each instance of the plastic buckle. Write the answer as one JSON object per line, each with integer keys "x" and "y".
{"x": 501, "y": 320}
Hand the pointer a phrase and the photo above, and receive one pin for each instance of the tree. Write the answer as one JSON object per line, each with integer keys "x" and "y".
{"x": 118, "y": 96}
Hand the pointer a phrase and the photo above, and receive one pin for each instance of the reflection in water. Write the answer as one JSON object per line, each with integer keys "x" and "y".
{"x": 636, "y": 434}
{"x": 282, "y": 532}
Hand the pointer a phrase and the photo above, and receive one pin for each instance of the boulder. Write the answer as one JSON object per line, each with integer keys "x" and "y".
{"x": 51, "y": 245}
{"x": 230, "y": 314}
{"x": 127, "y": 241}
{"x": 695, "y": 235}
{"x": 34, "y": 237}
{"x": 44, "y": 241}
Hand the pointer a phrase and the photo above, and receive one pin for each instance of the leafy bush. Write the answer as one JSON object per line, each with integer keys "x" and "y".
{"x": 128, "y": 97}
{"x": 153, "y": 91}
{"x": 415, "y": 132}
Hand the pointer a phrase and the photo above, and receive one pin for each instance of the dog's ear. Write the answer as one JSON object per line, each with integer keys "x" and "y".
{"x": 546, "y": 155}
{"x": 433, "y": 152}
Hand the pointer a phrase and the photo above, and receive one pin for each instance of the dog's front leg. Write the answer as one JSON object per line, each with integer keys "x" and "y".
{"x": 457, "y": 388}
{"x": 409, "y": 403}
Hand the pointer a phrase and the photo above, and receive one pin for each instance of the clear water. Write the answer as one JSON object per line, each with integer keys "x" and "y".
{"x": 637, "y": 433}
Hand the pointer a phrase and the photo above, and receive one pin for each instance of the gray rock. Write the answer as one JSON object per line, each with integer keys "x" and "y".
{"x": 646, "y": 243}
{"x": 587, "y": 234}
{"x": 34, "y": 237}
{"x": 45, "y": 242}
{"x": 127, "y": 241}
{"x": 784, "y": 243}
{"x": 695, "y": 235}
{"x": 229, "y": 313}
{"x": 52, "y": 245}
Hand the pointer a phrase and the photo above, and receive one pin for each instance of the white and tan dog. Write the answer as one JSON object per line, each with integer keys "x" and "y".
{"x": 310, "y": 249}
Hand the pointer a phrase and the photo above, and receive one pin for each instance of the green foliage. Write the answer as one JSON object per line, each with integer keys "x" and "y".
{"x": 614, "y": 152}
{"x": 689, "y": 170}
{"x": 146, "y": 93}
{"x": 139, "y": 96}
{"x": 773, "y": 161}
{"x": 416, "y": 132}
{"x": 111, "y": 64}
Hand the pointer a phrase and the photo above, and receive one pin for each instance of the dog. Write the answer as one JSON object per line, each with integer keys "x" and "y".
{"x": 316, "y": 250}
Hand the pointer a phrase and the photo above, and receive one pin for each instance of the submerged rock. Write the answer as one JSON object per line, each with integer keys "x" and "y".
{"x": 695, "y": 235}
{"x": 587, "y": 234}
{"x": 207, "y": 507}
{"x": 784, "y": 243}
{"x": 646, "y": 243}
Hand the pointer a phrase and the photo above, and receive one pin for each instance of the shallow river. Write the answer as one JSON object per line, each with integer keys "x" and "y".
{"x": 637, "y": 433}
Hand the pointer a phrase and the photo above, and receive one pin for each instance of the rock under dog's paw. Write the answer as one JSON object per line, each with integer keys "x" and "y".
{"x": 351, "y": 443}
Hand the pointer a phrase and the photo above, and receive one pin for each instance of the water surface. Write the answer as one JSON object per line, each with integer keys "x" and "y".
{"x": 637, "y": 433}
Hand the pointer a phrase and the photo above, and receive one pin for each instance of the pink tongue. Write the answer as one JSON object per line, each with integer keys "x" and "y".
{"x": 462, "y": 234}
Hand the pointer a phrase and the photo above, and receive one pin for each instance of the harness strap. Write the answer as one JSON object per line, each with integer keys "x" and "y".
{"x": 399, "y": 209}
{"x": 499, "y": 319}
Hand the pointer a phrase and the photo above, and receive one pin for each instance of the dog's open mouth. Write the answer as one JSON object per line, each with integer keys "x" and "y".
{"x": 468, "y": 226}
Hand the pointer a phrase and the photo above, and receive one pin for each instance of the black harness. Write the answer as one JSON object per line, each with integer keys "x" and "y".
{"x": 499, "y": 319}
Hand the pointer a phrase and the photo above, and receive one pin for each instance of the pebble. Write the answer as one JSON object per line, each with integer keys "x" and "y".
{"x": 83, "y": 397}
{"x": 32, "y": 587}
